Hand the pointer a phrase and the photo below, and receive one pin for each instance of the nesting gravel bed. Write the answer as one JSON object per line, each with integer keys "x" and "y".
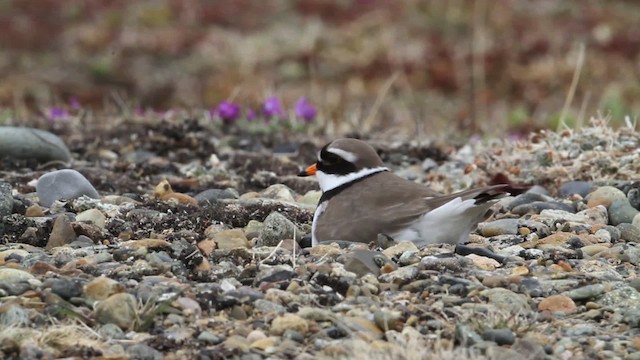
{"x": 150, "y": 245}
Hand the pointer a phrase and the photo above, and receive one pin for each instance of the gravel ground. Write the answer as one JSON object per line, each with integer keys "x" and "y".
{"x": 162, "y": 246}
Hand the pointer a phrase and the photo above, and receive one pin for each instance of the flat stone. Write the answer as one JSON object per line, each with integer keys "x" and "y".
{"x": 63, "y": 184}
{"x": 400, "y": 248}
{"x": 585, "y": 292}
{"x": 499, "y": 227}
{"x": 93, "y": 216}
{"x": 231, "y": 239}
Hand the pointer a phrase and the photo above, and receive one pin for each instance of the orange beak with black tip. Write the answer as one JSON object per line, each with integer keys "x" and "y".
{"x": 309, "y": 171}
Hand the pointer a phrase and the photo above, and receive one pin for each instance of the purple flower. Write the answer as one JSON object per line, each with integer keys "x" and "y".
{"x": 58, "y": 113}
{"x": 305, "y": 110}
{"x": 250, "y": 115}
{"x": 228, "y": 111}
{"x": 75, "y": 104}
{"x": 272, "y": 107}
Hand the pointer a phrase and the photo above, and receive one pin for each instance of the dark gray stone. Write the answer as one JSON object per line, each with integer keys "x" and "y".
{"x": 27, "y": 143}
{"x": 582, "y": 188}
{"x": 499, "y": 336}
{"x": 213, "y": 195}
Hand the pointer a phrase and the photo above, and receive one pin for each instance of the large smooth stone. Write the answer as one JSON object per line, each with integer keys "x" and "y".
{"x": 63, "y": 184}
{"x": 28, "y": 143}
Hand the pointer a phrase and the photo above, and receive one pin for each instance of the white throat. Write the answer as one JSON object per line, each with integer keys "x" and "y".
{"x": 331, "y": 181}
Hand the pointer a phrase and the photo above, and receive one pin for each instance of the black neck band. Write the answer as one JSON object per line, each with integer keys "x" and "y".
{"x": 335, "y": 191}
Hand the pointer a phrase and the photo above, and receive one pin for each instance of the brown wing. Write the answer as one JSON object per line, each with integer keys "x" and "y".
{"x": 384, "y": 203}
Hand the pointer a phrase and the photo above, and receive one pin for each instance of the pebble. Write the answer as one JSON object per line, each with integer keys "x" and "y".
{"x": 621, "y": 211}
{"x": 629, "y": 232}
{"x": 62, "y": 233}
{"x": 585, "y": 292}
{"x": 101, "y": 288}
{"x": 28, "y": 143}
{"x": 401, "y": 275}
{"x": 93, "y": 216}
{"x": 288, "y": 322}
{"x": 499, "y": 336}
{"x": 557, "y": 304}
{"x": 499, "y": 227}
{"x": 362, "y": 262}
{"x": 214, "y": 195}
{"x": 507, "y": 299}
{"x": 537, "y": 207}
{"x": 118, "y": 309}
{"x": 400, "y": 248}
{"x": 569, "y": 188}
{"x": 605, "y": 195}
{"x": 231, "y": 239}
{"x": 6, "y": 199}
{"x": 277, "y": 228}
{"x": 63, "y": 184}
{"x": 143, "y": 351}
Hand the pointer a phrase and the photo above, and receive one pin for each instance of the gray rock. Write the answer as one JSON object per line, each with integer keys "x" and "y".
{"x": 585, "y": 292}
{"x": 27, "y": 143}
{"x": 276, "y": 228}
{"x": 634, "y": 197}
{"x": 635, "y": 283}
{"x": 630, "y": 254}
{"x": 14, "y": 315}
{"x": 6, "y": 199}
{"x": 508, "y": 300}
{"x": 621, "y": 211}
{"x": 581, "y": 330}
{"x": 624, "y": 297}
{"x": 400, "y": 276}
{"x": 64, "y": 287}
{"x": 213, "y": 195}
{"x": 528, "y": 198}
{"x": 111, "y": 331}
{"x": 538, "y": 206}
{"x": 144, "y": 352}
{"x": 466, "y": 336}
{"x": 362, "y": 262}
{"x": 63, "y": 184}
{"x": 208, "y": 337}
{"x": 569, "y": 188}
{"x": 629, "y": 232}
{"x": 266, "y": 307}
{"x": 499, "y": 336}
{"x": 499, "y": 227}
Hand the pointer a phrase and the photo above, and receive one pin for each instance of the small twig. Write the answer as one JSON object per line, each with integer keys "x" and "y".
{"x": 272, "y": 253}
{"x": 378, "y": 103}
{"x": 572, "y": 88}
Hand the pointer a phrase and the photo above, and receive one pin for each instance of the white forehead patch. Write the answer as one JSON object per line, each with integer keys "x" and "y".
{"x": 349, "y": 156}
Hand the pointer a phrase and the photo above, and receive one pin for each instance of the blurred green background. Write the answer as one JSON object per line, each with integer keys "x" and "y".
{"x": 435, "y": 67}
